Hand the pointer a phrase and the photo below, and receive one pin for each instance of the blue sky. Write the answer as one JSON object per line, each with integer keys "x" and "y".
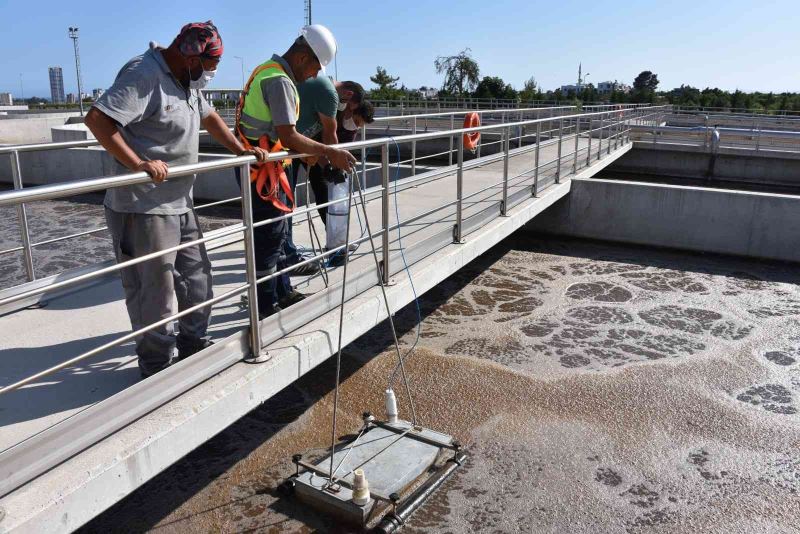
{"x": 728, "y": 44}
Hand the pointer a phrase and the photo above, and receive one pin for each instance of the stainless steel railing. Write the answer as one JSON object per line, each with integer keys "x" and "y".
{"x": 594, "y": 134}
{"x": 611, "y": 128}
{"x": 757, "y": 140}
{"x": 28, "y": 245}
{"x": 738, "y": 111}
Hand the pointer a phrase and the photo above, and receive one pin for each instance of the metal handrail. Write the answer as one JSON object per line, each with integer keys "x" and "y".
{"x": 62, "y": 145}
{"x": 60, "y": 190}
{"x": 75, "y": 187}
{"x": 758, "y": 140}
{"x": 14, "y": 150}
{"x": 102, "y": 228}
{"x": 611, "y": 125}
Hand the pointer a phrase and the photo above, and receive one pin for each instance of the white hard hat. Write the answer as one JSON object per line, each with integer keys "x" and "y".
{"x": 321, "y": 41}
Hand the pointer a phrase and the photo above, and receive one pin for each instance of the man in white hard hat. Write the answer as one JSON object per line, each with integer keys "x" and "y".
{"x": 266, "y": 117}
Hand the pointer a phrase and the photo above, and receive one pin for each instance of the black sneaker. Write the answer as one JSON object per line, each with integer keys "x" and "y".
{"x": 306, "y": 269}
{"x": 292, "y": 298}
{"x": 337, "y": 260}
{"x": 188, "y": 347}
{"x": 263, "y": 314}
{"x": 148, "y": 372}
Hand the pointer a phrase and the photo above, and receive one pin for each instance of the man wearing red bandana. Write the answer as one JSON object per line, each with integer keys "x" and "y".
{"x": 149, "y": 120}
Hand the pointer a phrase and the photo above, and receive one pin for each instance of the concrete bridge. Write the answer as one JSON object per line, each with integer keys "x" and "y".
{"x": 80, "y": 430}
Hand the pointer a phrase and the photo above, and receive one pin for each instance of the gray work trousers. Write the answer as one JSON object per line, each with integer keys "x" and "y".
{"x": 150, "y": 286}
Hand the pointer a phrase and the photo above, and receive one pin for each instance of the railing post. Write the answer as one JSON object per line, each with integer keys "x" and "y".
{"x": 536, "y": 159}
{"x": 655, "y": 136}
{"x": 577, "y": 139}
{"x": 22, "y": 215}
{"x": 457, "y": 230}
{"x": 600, "y": 139}
{"x": 385, "y": 213}
{"x": 506, "y": 147}
{"x": 452, "y": 127}
{"x": 256, "y": 354}
{"x": 758, "y": 139}
{"x": 560, "y": 139}
{"x": 589, "y": 149}
{"x": 363, "y": 159}
{"x": 480, "y": 143}
{"x": 521, "y": 129}
{"x": 608, "y": 140}
{"x": 414, "y": 148}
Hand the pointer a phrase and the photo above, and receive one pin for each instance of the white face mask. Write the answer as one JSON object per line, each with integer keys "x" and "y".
{"x": 203, "y": 80}
{"x": 342, "y": 106}
{"x": 349, "y": 124}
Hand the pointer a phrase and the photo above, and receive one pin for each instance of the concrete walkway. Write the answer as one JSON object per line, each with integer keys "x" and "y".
{"x": 34, "y": 339}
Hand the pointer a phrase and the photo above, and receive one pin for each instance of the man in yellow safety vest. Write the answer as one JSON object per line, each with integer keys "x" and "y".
{"x": 266, "y": 118}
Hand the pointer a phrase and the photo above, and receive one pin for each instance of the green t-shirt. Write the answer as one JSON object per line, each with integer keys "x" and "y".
{"x": 317, "y": 95}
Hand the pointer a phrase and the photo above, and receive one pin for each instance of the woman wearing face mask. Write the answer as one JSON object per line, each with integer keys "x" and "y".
{"x": 148, "y": 120}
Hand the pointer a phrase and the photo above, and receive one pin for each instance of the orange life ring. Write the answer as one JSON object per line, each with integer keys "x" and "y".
{"x": 472, "y": 120}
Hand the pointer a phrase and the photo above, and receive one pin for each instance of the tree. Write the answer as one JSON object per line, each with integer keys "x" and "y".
{"x": 588, "y": 94}
{"x": 461, "y": 72}
{"x": 387, "y": 86}
{"x": 644, "y": 86}
{"x": 494, "y": 87}
{"x": 383, "y": 80}
{"x": 530, "y": 90}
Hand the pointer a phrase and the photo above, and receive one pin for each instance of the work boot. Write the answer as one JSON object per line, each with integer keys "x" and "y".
{"x": 292, "y": 298}
{"x": 264, "y": 313}
{"x": 190, "y": 346}
{"x": 338, "y": 259}
{"x": 148, "y": 371}
{"x": 306, "y": 269}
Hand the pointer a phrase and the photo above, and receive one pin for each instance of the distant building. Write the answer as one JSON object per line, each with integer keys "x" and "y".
{"x": 573, "y": 88}
{"x": 429, "y": 92}
{"x": 222, "y": 95}
{"x": 6, "y": 99}
{"x": 605, "y": 88}
{"x": 72, "y": 98}
{"x": 97, "y": 93}
{"x": 56, "y": 85}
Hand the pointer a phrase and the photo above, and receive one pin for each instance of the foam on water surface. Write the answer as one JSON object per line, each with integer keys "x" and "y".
{"x": 599, "y": 388}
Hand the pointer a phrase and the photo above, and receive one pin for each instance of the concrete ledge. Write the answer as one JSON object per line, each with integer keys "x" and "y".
{"x": 765, "y": 167}
{"x": 760, "y": 225}
{"x": 675, "y": 146}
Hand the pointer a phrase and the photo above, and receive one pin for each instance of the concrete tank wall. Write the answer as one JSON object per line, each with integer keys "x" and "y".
{"x": 763, "y": 167}
{"x": 29, "y": 129}
{"x": 760, "y": 225}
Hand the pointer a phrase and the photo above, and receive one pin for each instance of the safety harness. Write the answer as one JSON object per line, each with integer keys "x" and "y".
{"x": 268, "y": 176}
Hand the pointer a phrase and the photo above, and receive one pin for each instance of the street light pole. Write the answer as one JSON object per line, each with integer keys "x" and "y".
{"x": 73, "y": 34}
{"x": 241, "y": 60}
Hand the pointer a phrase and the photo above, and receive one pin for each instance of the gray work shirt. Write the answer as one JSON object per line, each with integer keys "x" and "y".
{"x": 160, "y": 120}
